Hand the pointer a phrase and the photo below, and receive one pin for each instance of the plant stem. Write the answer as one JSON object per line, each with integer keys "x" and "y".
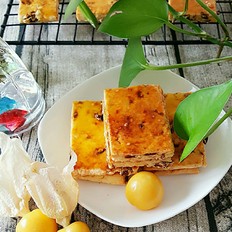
{"x": 220, "y": 51}
{"x": 219, "y": 21}
{"x": 202, "y": 35}
{"x": 185, "y": 7}
{"x": 199, "y": 31}
{"x": 183, "y": 12}
{"x": 179, "y": 16}
{"x": 218, "y": 123}
{"x": 184, "y": 65}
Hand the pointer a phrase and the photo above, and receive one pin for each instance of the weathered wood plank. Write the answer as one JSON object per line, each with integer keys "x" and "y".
{"x": 60, "y": 68}
{"x": 219, "y": 200}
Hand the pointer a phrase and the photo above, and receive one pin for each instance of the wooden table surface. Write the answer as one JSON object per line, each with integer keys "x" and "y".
{"x": 58, "y": 69}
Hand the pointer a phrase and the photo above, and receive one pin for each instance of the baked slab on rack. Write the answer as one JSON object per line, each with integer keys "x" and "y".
{"x": 31, "y": 11}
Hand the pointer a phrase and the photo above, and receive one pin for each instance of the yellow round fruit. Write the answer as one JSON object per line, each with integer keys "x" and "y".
{"x": 36, "y": 221}
{"x": 144, "y": 190}
{"x": 76, "y": 227}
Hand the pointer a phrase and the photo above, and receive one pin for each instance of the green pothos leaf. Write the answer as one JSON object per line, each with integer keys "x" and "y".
{"x": 135, "y": 18}
{"x": 72, "y": 6}
{"x": 198, "y": 112}
{"x": 133, "y": 62}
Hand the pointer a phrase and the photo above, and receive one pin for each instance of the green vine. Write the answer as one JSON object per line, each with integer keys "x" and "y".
{"x": 132, "y": 20}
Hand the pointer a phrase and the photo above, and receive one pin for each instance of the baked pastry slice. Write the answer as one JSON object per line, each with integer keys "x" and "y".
{"x": 100, "y": 8}
{"x": 31, "y": 11}
{"x": 88, "y": 143}
{"x": 137, "y": 130}
{"x": 195, "y": 12}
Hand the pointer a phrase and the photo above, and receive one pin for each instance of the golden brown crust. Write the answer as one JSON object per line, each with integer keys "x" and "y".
{"x": 195, "y": 12}
{"x": 31, "y": 11}
{"x": 100, "y": 8}
{"x": 136, "y": 126}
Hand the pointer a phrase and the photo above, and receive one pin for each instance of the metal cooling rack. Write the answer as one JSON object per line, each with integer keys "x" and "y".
{"x": 59, "y": 33}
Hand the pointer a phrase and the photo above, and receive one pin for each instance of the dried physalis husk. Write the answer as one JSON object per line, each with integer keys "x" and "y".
{"x": 54, "y": 191}
{"x": 13, "y": 162}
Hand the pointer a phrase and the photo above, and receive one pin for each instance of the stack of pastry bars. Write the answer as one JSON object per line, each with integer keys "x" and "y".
{"x": 31, "y": 11}
{"x": 137, "y": 130}
{"x": 130, "y": 131}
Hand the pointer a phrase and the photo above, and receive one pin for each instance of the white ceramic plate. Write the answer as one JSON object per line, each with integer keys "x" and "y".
{"x": 109, "y": 202}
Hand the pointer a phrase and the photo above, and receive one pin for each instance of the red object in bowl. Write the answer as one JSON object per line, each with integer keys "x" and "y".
{"x": 13, "y": 119}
